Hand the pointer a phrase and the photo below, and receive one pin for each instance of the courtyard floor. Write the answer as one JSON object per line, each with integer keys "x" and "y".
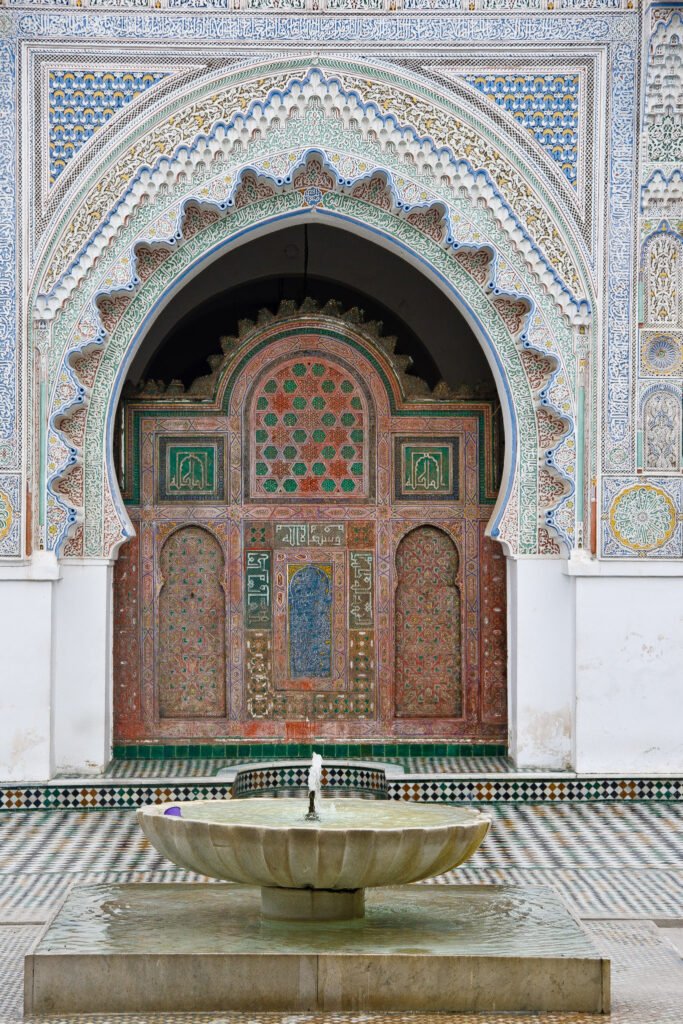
{"x": 619, "y": 866}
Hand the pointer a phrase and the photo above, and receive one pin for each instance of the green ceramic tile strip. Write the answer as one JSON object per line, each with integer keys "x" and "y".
{"x": 249, "y": 751}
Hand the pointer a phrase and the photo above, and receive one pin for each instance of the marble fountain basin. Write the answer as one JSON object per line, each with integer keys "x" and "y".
{"x": 314, "y": 870}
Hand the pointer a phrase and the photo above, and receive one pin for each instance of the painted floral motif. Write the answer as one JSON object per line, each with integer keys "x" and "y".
{"x": 643, "y": 517}
{"x": 663, "y": 278}
{"x": 310, "y": 436}
{"x": 662, "y": 431}
{"x": 430, "y": 222}
{"x": 112, "y": 309}
{"x": 375, "y": 191}
{"x": 550, "y": 488}
{"x": 71, "y": 485}
{"x": 513, "y": 312}
{"x": 6, "y": 515}
{"x": 197, "y": 218}
{"x": 538, "y": 368}
{"x": 313, "y": 175}
{"x": 662, "y": 354}
{"x": 251, "y": 190}
{"x": 550, "y": 428}
{"x": 476, "y": 262}
{"x": 148, "y": 259}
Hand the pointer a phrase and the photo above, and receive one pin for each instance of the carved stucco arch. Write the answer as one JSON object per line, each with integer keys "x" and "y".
{"x": 95, "y": 188}
{"x": 439, "y": 213}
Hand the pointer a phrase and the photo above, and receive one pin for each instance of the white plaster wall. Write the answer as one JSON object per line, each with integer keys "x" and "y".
{"x": 83, "y": 676}
{"x": 595, "y": 667}
{"x": 629, "y": 674}
{"x": 540, "y": 663}
{"x": 26, "y": 642}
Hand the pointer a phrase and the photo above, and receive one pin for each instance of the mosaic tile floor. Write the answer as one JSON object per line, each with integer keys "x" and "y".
{"x": 618, "y": 866}
{"x": 202, "y": 767}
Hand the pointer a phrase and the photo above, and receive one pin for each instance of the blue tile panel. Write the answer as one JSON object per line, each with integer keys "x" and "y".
{"x": 310, "y": 622}
{"x": 546, "y": 105}
{"x": 80, "y": 102}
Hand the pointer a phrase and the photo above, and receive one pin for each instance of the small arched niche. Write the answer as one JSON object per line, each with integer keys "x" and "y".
{"x": 428, "y": 662}
{"x": 191, "y": 626}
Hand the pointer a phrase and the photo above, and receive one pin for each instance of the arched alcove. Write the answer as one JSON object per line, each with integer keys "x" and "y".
{"x": 428, "y": 611}
{"x": 344, "y": 157}
{"x": 303, "y": 450}
{"x": 190, "y": 625}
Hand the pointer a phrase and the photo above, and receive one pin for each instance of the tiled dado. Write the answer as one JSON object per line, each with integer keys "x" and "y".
{"x": 268, "y": 751}
{"x": 336, "y": 780}
{"x": 103, "y": 795}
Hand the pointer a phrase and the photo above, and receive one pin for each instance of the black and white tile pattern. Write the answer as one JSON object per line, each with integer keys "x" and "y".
{"x": 619, "y": 866}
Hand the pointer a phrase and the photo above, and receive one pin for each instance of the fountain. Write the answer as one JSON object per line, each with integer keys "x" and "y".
{"x": 314, "y": 866}
{"x": 314, "y": 786}
{"x": 321, "y": 916}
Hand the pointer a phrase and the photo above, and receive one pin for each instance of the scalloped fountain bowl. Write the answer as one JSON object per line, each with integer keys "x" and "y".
{"x": 314, "y": 870}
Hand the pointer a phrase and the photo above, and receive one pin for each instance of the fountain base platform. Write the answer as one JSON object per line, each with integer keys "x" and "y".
{"x": 205, "y": 947}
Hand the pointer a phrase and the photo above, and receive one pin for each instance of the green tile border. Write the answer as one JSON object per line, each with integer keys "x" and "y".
{"x": 249, "y": 751}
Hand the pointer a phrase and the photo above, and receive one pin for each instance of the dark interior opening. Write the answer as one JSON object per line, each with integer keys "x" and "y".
{"x": 323, "y": 263}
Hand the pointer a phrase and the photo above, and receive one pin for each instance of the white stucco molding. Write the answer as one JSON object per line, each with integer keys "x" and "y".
{"x": 41, "y": 567}
{"x": 580, "y": 564}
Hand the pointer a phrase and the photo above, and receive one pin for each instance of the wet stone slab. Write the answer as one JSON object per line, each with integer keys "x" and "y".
{"x": 147, "y": 947}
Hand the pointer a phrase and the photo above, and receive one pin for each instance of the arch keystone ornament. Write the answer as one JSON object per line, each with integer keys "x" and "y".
{"x": 315, "y": 150}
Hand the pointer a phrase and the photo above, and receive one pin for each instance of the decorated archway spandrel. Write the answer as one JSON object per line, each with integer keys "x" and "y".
{"x": 397, "y": 110}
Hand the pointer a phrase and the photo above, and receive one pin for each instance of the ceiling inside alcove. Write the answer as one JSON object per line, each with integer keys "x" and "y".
{"x": 323, "y": 263}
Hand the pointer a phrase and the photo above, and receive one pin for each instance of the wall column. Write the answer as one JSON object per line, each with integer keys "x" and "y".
{"x": 83, "y": 666}
{"x": 540, "y": 663}
{"x": 26, "y": 673}
{"x": 629, "y": 667}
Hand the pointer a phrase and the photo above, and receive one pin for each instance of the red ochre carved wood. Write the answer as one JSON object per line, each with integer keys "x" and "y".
{"x": 191, "y": 626}
{"x": 427, "y": 623}
{"x": 311, "y": 488}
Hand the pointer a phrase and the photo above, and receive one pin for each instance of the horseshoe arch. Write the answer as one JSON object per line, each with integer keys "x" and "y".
{"x": 313, "y": 149}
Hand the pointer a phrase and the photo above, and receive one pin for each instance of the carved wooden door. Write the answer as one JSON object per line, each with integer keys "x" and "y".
{"x": 311, "y": 558}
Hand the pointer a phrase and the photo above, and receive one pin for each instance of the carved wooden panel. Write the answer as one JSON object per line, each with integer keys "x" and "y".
{"x": 310, "y": 559}
{"x": 191, "y": 626}
{"x": 428, "y": 655}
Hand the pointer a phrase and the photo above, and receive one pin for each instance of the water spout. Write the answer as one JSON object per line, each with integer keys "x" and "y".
{"x": 314, "y": 786}
{"x": 312, "y": 813}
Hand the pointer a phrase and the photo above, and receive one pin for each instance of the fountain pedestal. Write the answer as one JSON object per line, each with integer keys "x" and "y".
{"x": 204, "y": 947}
{"x": 312, "y": 904}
